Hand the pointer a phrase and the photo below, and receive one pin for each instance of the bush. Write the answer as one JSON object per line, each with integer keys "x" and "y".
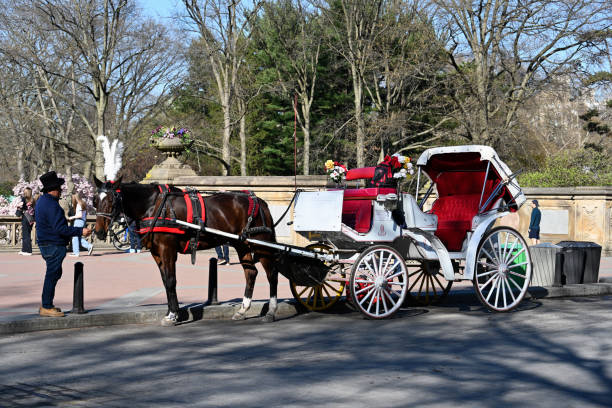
{"x": 587, "y": 167}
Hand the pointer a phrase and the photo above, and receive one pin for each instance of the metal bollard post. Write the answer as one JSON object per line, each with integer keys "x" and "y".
{"x": 77, "y": 297}
{"x": 559, "y": 278}
{"x": 212, "y": 282}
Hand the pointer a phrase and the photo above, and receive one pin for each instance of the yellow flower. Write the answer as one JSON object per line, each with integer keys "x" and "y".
{"x": 329, "y": 164}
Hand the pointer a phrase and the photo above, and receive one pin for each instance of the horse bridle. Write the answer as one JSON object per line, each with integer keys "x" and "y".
{"x": 116, "y": 205}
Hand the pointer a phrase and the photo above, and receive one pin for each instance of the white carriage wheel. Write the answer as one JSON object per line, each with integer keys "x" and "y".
{"x": 379, "y": 282}
{"x": 502, "y": 269}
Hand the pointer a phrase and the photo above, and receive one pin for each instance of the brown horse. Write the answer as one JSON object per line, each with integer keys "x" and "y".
{"x": 151, "y": 206}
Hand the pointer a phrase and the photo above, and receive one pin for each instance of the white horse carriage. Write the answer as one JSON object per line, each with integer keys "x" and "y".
{"x": 380, "y": 245}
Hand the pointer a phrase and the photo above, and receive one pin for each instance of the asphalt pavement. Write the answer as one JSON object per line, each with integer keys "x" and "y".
{"x": 548, "y": 353}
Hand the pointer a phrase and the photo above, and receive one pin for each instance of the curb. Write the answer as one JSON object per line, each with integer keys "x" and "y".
{"x": 138, "y": 315}
{"x": 225, "y": 311}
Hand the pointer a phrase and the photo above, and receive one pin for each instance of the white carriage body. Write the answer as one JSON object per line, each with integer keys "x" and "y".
{"x": 318, "y": 215}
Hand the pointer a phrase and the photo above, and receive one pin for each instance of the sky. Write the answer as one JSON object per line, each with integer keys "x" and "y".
{"x": 159, "y": 8}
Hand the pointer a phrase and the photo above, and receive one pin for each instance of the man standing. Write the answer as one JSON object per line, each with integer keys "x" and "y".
{"x": 52, "y": 235}
{"x": 534, "y": 224}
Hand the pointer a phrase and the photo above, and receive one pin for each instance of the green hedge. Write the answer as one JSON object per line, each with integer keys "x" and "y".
{"x": 573, "y": 168}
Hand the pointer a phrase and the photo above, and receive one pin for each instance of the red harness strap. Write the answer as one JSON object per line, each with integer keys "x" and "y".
{"x": 168, "y": 224}
{"x": 253, "y": 204}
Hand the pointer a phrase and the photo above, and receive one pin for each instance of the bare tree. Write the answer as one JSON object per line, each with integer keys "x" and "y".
{"x": 223, "y": 26}
{"x": 504, "y": 51}
{"x": 113, "y": 59}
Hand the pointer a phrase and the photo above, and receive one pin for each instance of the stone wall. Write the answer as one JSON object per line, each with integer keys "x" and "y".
{"x": 577, "y": 214}
{"x": 572, "y": 213}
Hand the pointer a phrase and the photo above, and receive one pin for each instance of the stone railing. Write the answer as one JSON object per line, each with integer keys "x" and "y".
{"x": 10, "y": 234}
{"x": 576, "y": 214}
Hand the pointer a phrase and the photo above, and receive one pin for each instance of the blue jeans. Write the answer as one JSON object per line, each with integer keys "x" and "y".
{"x": 26, "y": 236}
{"x": 135, "y": 242}
{"x": 223, "y": 253}
{"x": 79, "y": 240}
{"x": 54, "y": 256}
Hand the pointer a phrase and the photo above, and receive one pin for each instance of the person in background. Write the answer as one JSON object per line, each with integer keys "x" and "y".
{"x": 223, "y": 254}
{"x": 80, "y": 219}
{"x": 52, "y": 235}
{"x": 135, "y": 242}
{"x": 26, "y": 212}
{"x": 534, "y": 223}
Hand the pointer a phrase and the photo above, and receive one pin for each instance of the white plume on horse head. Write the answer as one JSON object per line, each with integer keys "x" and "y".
{"x": 112, "y": 156}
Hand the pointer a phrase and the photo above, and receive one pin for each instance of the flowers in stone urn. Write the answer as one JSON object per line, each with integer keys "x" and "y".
{"x": 170, "y": 135}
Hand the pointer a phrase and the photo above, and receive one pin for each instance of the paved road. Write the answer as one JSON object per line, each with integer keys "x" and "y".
{"x": 552, "y": 353}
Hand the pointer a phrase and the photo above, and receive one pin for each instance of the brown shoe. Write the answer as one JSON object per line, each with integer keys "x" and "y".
{"x": 53, "y": 312}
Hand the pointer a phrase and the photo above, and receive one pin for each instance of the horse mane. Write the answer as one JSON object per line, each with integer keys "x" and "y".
{"x": 138, "y": 196}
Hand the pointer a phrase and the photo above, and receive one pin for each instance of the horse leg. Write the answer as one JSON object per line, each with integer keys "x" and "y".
{"x": 250, "y": 273}
{"x": 272, "y": 274}
{"x": 167, "y": 269}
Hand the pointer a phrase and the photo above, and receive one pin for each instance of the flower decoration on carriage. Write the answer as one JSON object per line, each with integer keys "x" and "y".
{"x": 400, "y": 166}
{"x": 335, "y": 171}
{"x": 161, "y": 133}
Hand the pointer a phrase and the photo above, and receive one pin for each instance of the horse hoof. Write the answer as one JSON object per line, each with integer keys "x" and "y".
{"x": 168, "y": 322}
{"x": 268, "y": 318}
{"x": 238, "y": 316}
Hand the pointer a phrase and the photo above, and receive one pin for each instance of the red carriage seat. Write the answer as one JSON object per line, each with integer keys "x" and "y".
{"x": 459, "y": 196}
{"x": 357, "y": 205}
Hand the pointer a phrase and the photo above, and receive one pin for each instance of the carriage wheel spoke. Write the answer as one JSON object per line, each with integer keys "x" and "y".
{"x": 493, "y": 287}
{"x": 503, "y": 286}
{"x": 302, "y": 292}
{"x": 416, "y": 281}
{"x": 394, "y": 275}
{"x": 310, "y": 295}
{"x": 415, "y": 272}
{"x": 336, "y": 290}
{"x": 493, "y": 249}
{"x": 384, "y": 302}
{"x": 510, "y": 290}
{"x": 516, "y": 274}
{"x": 505, "y": 246}
{"x": 372, "y": 299}
{"x": 511, "y": 249}
{"x": 515, "y": 255}
{"x": 491, "y": 257}
{"x": 324, "y": 289}
{"x": 370, "y": 291}
{"x": 517, "y": 265}
{"x": 515, "y": 284}
{"x": 487, "y": 282}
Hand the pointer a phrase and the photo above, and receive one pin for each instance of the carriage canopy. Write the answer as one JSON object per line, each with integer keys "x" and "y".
{"x": 474, "y": 169}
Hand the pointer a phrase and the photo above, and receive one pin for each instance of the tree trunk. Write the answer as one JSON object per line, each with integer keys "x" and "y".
{"x": 243, "y": 153}
{"x": 100, "y": 110}
{"x": 227, "y": 132}
{"x": 360, "y": 142}
{"x": 20, "y": 166}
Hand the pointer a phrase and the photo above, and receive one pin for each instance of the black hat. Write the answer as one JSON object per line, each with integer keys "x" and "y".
{"x": 51, "y": 182}
{"x": 535, "y": 202}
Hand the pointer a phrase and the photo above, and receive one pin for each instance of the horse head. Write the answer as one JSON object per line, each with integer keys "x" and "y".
{"x": 108, "y": 205}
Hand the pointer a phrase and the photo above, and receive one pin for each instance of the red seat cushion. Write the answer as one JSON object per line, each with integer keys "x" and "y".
{"x": 360, "y": 173}
{"x": 455, "y": 215}
{"x": 357, "y": 206}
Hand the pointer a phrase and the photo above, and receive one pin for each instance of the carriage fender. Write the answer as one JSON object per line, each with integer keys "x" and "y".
{"x": 484, "y": 224}
{"x": 427, "y": 241}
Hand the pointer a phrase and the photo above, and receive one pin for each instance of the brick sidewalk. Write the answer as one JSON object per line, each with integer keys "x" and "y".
{"x": 115, "y": 280}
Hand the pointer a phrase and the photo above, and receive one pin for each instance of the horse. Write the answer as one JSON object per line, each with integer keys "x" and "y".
{"x": 238, "y": 213}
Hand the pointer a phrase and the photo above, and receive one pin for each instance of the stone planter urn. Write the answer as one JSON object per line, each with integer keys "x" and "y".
{"x": 170, "y": 147}
{"x": 171, "y": 168}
